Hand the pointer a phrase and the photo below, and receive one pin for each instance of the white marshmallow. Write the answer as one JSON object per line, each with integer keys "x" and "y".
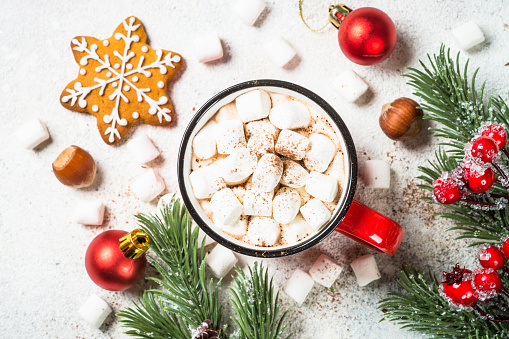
{"x": 365, "y": 269}
{"x": 220, "y": 261}
{"x": 294, "y": 175}
{"x": 237, "y": 229}
{"x": 322, "y": 186}
{"x": 141, "y": 149}
{"x": 206, "y": 181}
{"x": 240, "y": 192}
{"x": 468, "y": 35}
{"x": 204, "y": 142}
{"x": 258, "y": 203}
{"x": 337, "y": 168}
{"x": 254, "y": 105}
{"x": 238, "y": 166}
{"x": 148, "y": 185}
{"x": 315, "y": 213}
{"x": 350, "y": 86}
{"x": 248, "y": 10}
{"x": 268, "y": 173}
{"x": 261, "y": 144}
{"x": 290, "y": 115}
{"x": 230, "y": 136}
{"x": 94, "y": 311}
{"x": 296, "y": 230}
{"x": 89, "y": 212}
{"x": 320, "y": 154}
{"x": 299, "y": 285}
{"x": 279, "y": 51}
{"x": 377, "y": 174}
{"x": 263, "y": 126}
{"x": 227, "y": 112}
{"x": 207, "y": 47}
{"x": 32, "y": 133}
{"x": 263, "y": 231}
{"x": 292, "y": 145}
{"x": 325, "y": 271}
{"x": 202, "y": 235}
{"x": 226, "y": 208}
{"x": 286, "y": 205}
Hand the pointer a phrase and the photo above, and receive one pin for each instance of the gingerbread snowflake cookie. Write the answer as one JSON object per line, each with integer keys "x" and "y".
{"x": 121, "y": 81}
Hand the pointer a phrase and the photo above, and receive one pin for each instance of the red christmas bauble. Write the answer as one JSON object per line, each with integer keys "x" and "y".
{"x": 108, "y": 267}
{"x": 367, "y": 36}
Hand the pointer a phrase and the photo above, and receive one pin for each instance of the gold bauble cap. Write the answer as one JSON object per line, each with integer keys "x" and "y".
{"x": 134, "y": 244}
{"x": 337, "y": 14}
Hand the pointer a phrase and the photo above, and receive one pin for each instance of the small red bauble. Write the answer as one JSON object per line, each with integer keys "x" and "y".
{"x": 108, "y": 267}
{"x": 459, "y": 289}
{"x": 446, "y": 191}
{"x": 497, "y": 132}
{"x": 367, "y": 36}
{"x": 484, "y": 149}
{"x": 491, "y": 257}
{"x": 480, "y": 183}
{"x": 487, "y": 280}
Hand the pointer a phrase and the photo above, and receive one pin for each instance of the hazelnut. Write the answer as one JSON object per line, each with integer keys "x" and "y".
{"x": 401, "y": 119}
{"x": 75, "y": 167}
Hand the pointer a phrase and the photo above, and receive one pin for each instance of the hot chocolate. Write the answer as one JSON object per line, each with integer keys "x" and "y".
{"x": 267, "y": 169}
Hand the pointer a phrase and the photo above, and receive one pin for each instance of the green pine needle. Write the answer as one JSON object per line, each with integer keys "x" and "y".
{"x": 453, "y": 101}
{"x": 186, "y": 299}
{"x": 256, "y": 306}
{"x": 423, "y": 309}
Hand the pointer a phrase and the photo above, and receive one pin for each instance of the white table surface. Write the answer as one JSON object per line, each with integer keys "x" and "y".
{"x": 43, "y": 280}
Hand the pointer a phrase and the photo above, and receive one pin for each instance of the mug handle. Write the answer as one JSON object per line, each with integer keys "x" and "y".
{"x": 371, "y": 229}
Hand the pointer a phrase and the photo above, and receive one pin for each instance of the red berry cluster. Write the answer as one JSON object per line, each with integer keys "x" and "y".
{"x": 475, "y": 175}
{"x": 465, "y": 288}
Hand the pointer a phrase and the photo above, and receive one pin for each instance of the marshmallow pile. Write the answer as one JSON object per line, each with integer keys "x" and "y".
{"x": 270, "y": 177}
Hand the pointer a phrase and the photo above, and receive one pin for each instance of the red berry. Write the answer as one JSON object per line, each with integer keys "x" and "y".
{"x": 446, "y": 191}
{"x": 458, "y": 288}
{"x": 491, "y": 257}
{"x": 480, "y": 183}
{"x": 487, "y": 280}
{"x": 497, "y": 132}
{"x": 484, "y": 149}
{"x": 505, "y": 249}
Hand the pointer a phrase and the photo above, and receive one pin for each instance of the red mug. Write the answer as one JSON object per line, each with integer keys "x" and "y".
{"x": 351, "y": 218}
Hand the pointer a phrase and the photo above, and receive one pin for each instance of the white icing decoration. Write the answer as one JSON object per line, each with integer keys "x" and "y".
{"x": 160, "y": 84}
{"x": 79, "y": 92}
{"x": 136, "y": 115}
{"x": 95, "y": 108}
{"x": 83, "y": 71}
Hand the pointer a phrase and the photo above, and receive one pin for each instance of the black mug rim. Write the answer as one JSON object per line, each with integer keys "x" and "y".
{"x": 350, "y": 185}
